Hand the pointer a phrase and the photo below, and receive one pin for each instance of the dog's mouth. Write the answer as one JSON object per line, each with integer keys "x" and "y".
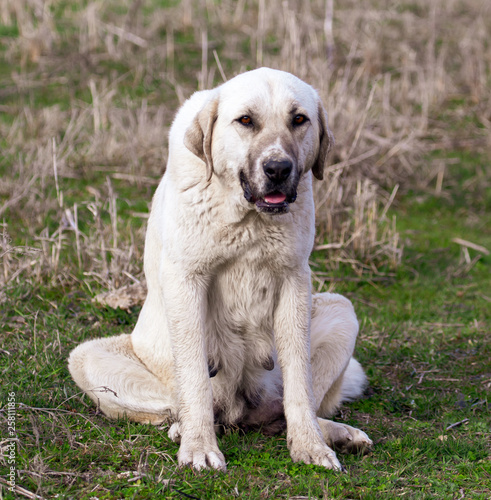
{"x": 275, "y": 202}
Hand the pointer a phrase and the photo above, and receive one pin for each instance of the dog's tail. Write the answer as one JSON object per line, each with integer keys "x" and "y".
{"x": 354, "y": 381}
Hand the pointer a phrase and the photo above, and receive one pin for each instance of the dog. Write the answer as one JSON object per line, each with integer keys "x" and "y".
{"x": 230, "y": 332}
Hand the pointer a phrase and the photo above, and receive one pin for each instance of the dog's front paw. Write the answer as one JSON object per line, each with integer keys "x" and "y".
{"x": 201, "y": 456}
{"x": 315, "y": 453}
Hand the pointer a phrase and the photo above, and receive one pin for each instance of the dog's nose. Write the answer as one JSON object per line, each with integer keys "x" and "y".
{"x": 277, "y": 170}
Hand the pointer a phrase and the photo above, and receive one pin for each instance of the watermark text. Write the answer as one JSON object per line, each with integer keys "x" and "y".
{"x": 12, "y": 442}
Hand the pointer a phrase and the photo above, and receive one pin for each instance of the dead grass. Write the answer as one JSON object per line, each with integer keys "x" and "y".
{"x": 92, "y": 86}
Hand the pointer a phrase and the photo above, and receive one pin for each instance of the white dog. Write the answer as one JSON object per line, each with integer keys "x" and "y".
{"x": 230, "y": 332}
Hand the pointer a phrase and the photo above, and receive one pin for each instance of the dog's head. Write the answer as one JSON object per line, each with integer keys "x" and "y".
{"x": 262, "y": 131}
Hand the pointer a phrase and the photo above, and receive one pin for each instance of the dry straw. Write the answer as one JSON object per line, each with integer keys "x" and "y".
{"x": 385, "y": 72}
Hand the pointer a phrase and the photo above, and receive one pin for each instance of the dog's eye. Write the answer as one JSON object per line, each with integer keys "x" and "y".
{"x": 299, "y": 119}
{"x": 245, "y": 120}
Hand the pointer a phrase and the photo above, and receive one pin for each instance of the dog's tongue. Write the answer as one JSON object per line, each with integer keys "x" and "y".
{"x": 274, "y": 198}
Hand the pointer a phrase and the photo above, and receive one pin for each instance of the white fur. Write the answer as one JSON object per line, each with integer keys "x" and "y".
{"x": 229, "y": 286}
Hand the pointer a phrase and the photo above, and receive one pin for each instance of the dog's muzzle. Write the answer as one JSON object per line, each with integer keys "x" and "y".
{"x": 277, "y": 200}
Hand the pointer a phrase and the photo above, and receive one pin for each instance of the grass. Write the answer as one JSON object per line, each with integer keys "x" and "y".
{"x": 84, "y": 111}
{"x": 424, "y": 341}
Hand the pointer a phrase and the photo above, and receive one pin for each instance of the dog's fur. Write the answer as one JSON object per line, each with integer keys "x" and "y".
{"x": 230, "y": 332}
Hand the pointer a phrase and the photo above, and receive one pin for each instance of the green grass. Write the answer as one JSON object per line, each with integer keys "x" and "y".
{"x": 425, "y": 343}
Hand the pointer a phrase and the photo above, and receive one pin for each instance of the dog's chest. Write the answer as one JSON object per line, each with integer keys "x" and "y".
{"x": 245, "y": 289}
{"x": 243, "y": 294}
{"x": 241, "y": 303}
{"x": 240, "y": 345}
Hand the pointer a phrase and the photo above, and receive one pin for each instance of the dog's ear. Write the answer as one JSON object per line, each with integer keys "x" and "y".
{"x": 326, "y": 141}
{"x": 199, "y": 134}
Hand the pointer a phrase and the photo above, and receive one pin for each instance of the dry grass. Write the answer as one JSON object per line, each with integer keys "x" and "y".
{"x": 386, "y": 72}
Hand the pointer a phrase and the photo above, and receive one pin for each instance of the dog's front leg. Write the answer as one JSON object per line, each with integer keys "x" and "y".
{"x": 292, "y": 337}
{"x": 185, "y": 301}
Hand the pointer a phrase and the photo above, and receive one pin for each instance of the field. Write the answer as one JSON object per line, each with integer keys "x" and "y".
{"x": 88, "y": 90}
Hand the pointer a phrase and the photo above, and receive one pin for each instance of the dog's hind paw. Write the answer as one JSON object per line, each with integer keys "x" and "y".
{"x": 174, "y": 433}
{"x": 344, "y": 438}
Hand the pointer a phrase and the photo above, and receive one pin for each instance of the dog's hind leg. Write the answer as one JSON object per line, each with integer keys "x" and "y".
{"x": 111, "y": 374}
{"x": 336, "y": 375}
